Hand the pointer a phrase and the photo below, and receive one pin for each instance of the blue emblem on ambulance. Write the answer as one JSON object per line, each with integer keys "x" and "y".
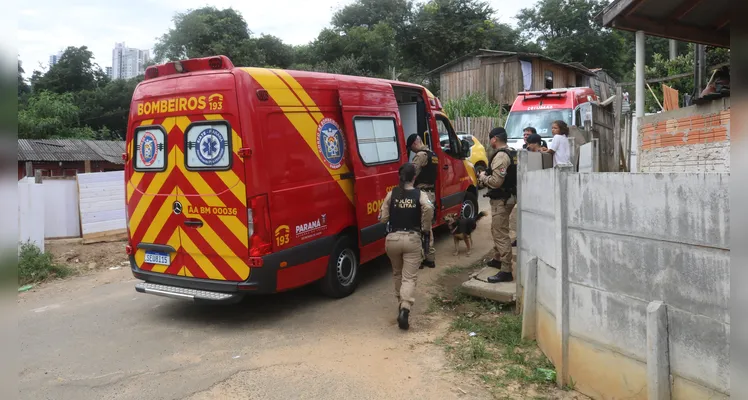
{"x": 148, "y": 149}
{"x": 330, "y": 143}
{"x": 210, "y": 146}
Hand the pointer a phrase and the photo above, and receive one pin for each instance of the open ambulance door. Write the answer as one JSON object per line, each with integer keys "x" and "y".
{"x": 375, "y": 155}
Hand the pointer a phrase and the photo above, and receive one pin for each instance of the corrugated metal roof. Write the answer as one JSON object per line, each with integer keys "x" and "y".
{"x": 488, "y": 53}
{"x": 70, "y": 150}
{"x": 110, "y": 150}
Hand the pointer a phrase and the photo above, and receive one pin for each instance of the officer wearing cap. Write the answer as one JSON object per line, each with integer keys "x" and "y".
{"x": 501, "y": 180}
{"x": 426, "y": 163}
{"x": 408, "y": 214}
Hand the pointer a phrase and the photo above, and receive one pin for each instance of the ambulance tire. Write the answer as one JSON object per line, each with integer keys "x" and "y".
{"x": 469, "y": 205}
{"x": 341, "y": 278}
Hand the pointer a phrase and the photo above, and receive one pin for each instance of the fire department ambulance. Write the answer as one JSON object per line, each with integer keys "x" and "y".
{"x": 252, "y": 180}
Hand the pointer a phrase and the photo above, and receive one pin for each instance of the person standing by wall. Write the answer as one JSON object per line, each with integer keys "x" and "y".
{"x": 408, "y": 213}
{"x": 501, "y": 181}
{"x": 426, "y": 163}
{"x": 560, "y": 146}
{"x": 531, "y": 131}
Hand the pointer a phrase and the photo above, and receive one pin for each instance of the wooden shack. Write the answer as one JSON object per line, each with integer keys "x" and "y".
{"x": 502, "y": 74}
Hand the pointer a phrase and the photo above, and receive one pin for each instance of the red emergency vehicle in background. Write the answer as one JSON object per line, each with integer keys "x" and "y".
{"x": 539, "y": 109}
{"x": 253, "y": 180}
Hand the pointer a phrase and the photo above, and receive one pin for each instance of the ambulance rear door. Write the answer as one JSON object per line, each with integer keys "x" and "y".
{"x": 212, "y": 181}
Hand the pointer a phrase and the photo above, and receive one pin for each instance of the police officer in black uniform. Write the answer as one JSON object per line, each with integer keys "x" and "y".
{"x": 409, "y": 214}
{"x": 426, "y": 163}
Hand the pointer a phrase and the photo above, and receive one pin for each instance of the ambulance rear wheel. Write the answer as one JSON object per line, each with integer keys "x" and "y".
{"x": 470, "y": 205}
{"x": 342, "y": 270}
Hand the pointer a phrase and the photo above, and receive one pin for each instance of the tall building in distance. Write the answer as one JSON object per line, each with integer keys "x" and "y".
{"x": 109, "y": 71}
{"x": 128, "y": 62}
{"x": 54, "y": 58}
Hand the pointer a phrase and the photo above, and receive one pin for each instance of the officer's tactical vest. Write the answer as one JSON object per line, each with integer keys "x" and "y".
{"x": 509, "y": 187}
{"x": 405, "y": 210}
{"x": 427, "y": 176}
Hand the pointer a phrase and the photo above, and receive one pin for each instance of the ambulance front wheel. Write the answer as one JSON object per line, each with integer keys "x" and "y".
{"x": 470, "y": 205}
{"x": 341, "y": 278}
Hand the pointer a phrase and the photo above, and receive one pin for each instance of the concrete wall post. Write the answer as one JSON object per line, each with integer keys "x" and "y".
{"x": 529, "y": 299}
{"x": 658, "y": 355}
{"x": 562, "y": 269}
{"x": 522, "y": 162}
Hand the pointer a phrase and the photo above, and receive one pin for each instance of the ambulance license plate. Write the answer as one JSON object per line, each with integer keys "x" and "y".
{"x": 153, "y": 257}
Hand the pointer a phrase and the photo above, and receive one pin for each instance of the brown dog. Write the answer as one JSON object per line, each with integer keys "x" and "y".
{"x": 461, "y": 229}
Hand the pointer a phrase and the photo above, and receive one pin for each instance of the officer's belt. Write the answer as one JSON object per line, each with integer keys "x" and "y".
{"x": 428, "y": 188}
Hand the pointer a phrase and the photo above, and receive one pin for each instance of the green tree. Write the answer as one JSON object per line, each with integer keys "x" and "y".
{"x": 23, "y": 87}
{"x": 275, "y": 53}
{"x": 206, "y": 32}
{"x": 51, "y": 115}
{"x": 367, "y": 13}
{"x": 75, "y": 71}
{"x": 566, "y": 30}
{"x": 106, "y": 110}
{"x": 443, "y": 30}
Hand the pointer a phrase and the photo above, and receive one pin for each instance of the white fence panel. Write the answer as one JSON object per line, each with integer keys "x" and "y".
{"x": 61, "y": 217}
{"x": 102, "y": 203}
{"x": 31, "y": 212}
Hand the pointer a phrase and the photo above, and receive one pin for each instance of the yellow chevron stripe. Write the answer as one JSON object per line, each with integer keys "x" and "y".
{"x": 202, "y": 261}
{"x": 136, "y": 176}
{"x": 207, "y": 194}
{"x": 158, "y": 222}
{"x": 304, "y": 122}
{"x": 221, "y": 249}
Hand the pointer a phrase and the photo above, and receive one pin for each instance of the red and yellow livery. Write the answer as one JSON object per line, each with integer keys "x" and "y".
{"x": 252, "y": 180}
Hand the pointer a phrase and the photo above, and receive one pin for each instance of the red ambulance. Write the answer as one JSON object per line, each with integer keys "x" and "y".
{"x": 253, "y": 180}
{"x": 539, "y": 109}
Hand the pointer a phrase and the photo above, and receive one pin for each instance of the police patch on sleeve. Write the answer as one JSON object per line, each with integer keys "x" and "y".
{"x": 502, "y": 172}
{"x": 330, "y": 143}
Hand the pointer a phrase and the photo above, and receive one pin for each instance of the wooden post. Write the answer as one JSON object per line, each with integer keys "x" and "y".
{"x": 29, "y": 169}
{"x": 87, "y": 166}
{"x": 617, "y": 110}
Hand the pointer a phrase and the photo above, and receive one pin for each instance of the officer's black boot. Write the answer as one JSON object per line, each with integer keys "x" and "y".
{"x": 494, "y": 263}
{"x": 500, "y": 277}
{"x": 402, "y": 319}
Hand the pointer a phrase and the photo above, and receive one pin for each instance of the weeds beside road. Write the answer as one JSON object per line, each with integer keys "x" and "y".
{"x": 35, "y": 266}
{"x": 484, "y": 339}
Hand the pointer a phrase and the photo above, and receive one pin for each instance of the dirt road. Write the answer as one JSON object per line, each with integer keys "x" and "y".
{"x": 94, "y": 337}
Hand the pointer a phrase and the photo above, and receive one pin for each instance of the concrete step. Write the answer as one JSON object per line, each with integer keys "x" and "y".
{"x": 478, "y": 286}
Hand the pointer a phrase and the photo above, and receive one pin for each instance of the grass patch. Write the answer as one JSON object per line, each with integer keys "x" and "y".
{"x": 485, "y": 339}
{"x": 35, "y": 266}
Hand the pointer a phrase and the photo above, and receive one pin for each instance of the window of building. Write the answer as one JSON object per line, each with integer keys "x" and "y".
{"x": 149, "y": 148}
{"x": 376, "y": 139}
{"x": 208, "y": 146}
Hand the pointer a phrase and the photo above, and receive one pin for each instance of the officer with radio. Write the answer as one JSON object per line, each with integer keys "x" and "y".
{"x": 426, "y": 164}
{"x": 501, "y": 180}
{"x": 408, "y": 213}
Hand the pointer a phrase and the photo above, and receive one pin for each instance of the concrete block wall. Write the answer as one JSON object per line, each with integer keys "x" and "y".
{"x": 691, "y": 139}
{"x": 630, "y": 240}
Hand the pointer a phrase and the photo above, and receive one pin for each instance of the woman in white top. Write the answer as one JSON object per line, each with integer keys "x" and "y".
{"x": 560, "y": 147}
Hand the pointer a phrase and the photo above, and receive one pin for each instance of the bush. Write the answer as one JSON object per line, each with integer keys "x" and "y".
{"x": 36, "y": 266}
{"x": 472, "y": 105}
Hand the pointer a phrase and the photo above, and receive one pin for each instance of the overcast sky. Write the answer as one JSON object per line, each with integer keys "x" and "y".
{"x": 48, "y": 26}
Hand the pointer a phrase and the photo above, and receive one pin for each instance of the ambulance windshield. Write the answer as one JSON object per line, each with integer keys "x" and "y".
{"x": 541, "y": 120}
